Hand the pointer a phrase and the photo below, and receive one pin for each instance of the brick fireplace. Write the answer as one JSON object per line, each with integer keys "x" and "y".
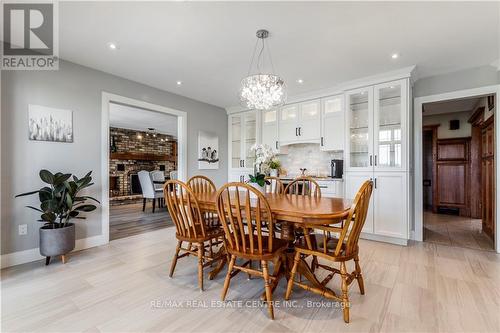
{"x": 132, "y": 151}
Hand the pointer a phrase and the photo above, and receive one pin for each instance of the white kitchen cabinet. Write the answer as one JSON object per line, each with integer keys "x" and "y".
{"x": 300, "y": 123}
{"x": 288, "y": 123}
{"x": 243, "y": 134}
{"x": 390, "y": 204}
{"x": 270, "y": 129}
{"x": 359, "y": 129}
{"x": 390, "y": 113}
{"x": 332, "y": 123}
{"x": 353, "y": 182}
{"x": 331, "y": 188}
{"x": 309, "y": 121}
{"x": 240, "y": 175}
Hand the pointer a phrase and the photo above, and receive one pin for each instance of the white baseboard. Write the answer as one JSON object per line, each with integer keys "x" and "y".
{"x": 385, "y": 239}
{"x": 22, "y": 257}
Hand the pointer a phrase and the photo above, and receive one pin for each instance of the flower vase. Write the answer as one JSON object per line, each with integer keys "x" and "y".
{"x": 273, "y": 173}
{"x": 259, "y": 188}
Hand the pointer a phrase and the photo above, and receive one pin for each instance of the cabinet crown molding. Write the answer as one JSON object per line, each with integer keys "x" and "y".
{"x": 402, "y": 73}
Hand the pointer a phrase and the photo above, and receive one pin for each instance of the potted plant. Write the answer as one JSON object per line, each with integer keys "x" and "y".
{"x": 263, "y": 153}
{"x": 274, "y": 166}
{"x": 59, "y": 203}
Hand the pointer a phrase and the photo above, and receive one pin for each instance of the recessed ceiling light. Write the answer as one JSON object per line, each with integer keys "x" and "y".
{"x": 395, "y": 56}
{"x": 112, "y": 46}
{"x": 179, "y": 83}
{"x": 392, "y": 87}
{"x": 300, "y": 81}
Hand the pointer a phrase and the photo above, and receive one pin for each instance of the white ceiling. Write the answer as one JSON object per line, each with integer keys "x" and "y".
{"x": 124, "y": 116}
{"x": 451, "y": 106}
{"x": 208, "y": 45}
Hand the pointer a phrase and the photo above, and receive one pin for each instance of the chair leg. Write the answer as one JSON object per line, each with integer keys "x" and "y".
{"x": 143, "y": 204}
{"x": 269, "y": 294}
{"x": 289, "y": 287}
{"x": 174, "y": 260}
{"x": 345, "y": 297}
{"x": 359, "y": 277}
{"x": 154, "y": 205}
{"x": 200, "y": 265}
{"x": 228, "y": 277}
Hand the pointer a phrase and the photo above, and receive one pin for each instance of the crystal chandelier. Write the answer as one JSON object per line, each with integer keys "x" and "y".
{"x": 262, "y": 91}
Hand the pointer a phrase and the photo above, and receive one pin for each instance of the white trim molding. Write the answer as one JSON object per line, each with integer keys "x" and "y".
{"x": 22, "y": 257}
{"x": 181, "y": 145}
{"x": 417, "y": 121}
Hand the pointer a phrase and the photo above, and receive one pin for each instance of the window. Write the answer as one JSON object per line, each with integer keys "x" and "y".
{"x": 389, "y": 148}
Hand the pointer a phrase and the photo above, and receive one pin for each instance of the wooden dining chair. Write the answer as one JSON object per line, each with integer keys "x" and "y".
{"x": 201, "y": 184}
{"x": 305, "y": 186}
{"x": 250, "y": 243}
{"x": 191, "y": 227}
{"x": 275, "y": 185}
{"x": 336, "y": 250}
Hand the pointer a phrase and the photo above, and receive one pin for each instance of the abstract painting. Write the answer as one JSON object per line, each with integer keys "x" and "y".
{"x": 49, "y": 124}
{"x": 208, "y": 150}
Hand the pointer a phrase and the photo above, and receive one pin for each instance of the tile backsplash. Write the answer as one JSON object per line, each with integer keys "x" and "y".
{"x": 308, "y": 156}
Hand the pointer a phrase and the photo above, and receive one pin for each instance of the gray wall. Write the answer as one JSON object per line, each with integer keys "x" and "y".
{"x": 465, "y": 79}
{"x": 79, "y": 89}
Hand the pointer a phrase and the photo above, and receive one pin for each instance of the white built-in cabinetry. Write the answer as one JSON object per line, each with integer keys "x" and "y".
{"x": 369, "y": 122}
{"x": 332, "y": 123}
{"x": 300, "y": 123}
{"x": 243, "y": 134}
{"x": 377, "y": 140}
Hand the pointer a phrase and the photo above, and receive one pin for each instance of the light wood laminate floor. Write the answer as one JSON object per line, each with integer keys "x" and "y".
{"x": 456, "y": 231}
{"x": 129, "y": 219}
{"x": 124, "y": 287}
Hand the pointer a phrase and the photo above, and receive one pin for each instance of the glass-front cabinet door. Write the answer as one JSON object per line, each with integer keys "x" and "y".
{"x": 270, "y": 129}
{"x": 389, "y": 121}
{"x": 250, "y": 126}
{"x": 359, "y": 104}
{"x": 235, "y": 124}
{"x": 243, "y": 135}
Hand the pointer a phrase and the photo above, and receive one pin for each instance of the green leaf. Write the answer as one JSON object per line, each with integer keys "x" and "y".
{"x": 61, "y": 178}
{"x": 69, "y": 201}
{"x": 49, "y": 217}
{"x": 47, "y": 176}
{"x": 86, "y": 208}
{"x": 37, "y": 209}
{"x": 27, "y": 193}
{"x": 49, "y": 205}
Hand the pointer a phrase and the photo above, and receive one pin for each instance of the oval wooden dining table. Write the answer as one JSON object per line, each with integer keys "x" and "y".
{"x": 291, "y": 211}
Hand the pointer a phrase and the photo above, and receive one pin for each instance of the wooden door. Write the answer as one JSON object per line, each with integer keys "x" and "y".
{"x": 488, "y": 179}
{"x": 452, "y": 181}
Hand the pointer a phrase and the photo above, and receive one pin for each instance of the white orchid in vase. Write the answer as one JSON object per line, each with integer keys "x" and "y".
{"x": 264, "y": 155}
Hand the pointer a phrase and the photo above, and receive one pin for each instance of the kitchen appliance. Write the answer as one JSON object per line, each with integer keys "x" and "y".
{"x": 337, "y": 168}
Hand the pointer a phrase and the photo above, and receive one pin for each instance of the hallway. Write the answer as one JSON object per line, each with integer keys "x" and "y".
{"x": 455, "y": 231}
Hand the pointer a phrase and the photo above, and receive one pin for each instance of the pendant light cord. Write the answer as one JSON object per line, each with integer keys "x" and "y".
{"x": 260, "y": 58}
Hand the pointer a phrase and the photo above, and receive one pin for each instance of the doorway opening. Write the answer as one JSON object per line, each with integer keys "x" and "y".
{"x": 458, "y": 153}
{"x": 143, "y": 146}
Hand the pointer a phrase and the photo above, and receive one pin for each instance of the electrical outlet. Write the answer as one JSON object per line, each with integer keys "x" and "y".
{"x": 23, "y": 229}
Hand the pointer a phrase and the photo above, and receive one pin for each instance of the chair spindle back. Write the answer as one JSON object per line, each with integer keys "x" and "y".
{"x": 201, "y": 184}
{"x": 304, "y": 186}
{"x": 234, "y": 206}
{"x": 184, "y": 209}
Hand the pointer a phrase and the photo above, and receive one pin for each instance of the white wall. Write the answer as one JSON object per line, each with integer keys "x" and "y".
{"x": 443, "y": 120}
{"x": 465, "y": 79}
{"x": 79, "y": 89}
